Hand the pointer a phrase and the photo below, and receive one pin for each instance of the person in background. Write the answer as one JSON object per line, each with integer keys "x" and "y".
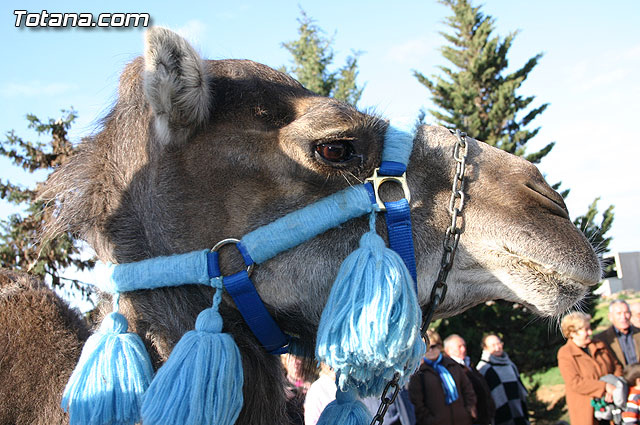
{"x": 622, "y": 338}
{"x": 503, "y": 378}
{"x": 582, "y": 362}
{"x": 456, "y": 348}
{"x": 635, "y": 314}
{"x": 294, "y": 368}
{"x": 631, "y": 414}
{"x": 297, "y": 388}
{"x": 321, "y": 392}
{"x": 440, "y": 391}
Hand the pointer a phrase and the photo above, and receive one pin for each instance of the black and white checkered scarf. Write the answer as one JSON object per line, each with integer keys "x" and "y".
{"x": 507, "y": 389}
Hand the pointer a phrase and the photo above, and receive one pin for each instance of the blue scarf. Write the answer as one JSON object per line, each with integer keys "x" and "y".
{"x": 448, "y": 384}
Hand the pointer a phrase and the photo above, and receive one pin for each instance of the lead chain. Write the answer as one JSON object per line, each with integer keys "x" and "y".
{"x": 385, "y": 400}
{"x": 453, "y": 232}
{"x": 450, "y": 245}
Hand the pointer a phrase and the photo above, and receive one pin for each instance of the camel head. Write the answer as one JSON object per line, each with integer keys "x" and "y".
{"x": 196, "y": 151}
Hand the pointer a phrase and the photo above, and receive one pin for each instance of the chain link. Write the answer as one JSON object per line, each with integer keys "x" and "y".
{"x": 386, "y": 401}
{"x": 450, "y": 245}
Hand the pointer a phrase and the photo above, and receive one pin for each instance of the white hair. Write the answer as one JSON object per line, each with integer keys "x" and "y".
{"x": 451, "y": 337}
{"x": 614, "y": 302}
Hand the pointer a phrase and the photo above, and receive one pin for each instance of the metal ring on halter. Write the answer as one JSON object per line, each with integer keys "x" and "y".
{"x": 228, "y": 241}
{"x": 377, "y": 180}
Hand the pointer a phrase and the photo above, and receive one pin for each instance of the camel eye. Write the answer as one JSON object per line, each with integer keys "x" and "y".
{"x": 335, "y": 152}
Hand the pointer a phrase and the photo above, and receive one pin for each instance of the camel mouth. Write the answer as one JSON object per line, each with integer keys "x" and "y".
{"x": 576, "y": 268}
{"x": 557, "y": 302}
{"x": 570, "y": 275}
{"x": 544, "y": 289}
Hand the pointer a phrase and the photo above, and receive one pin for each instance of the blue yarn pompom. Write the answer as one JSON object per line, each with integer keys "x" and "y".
{"x": 112, "y": 374}
{"x": 369, "y": 329}
{"x": 346, "y": 409}
{"x": 201, "y": 382}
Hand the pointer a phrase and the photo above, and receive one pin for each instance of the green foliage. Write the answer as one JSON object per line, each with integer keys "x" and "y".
{"x": 477, "y": 96}
{"x": 548, "y": 377}
{"x": 593, "y": 231}
{"x": 20, "y": 247}
{"x": 564, "y": 192}
{"x": 600, "y": 315}
{"x": 312, "y": 57}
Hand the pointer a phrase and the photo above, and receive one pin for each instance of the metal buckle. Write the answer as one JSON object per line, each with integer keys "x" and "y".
{"x": 224, "y": 242}
{"x": 376, "y": 182}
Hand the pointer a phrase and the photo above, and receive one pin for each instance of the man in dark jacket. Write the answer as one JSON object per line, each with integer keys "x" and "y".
{"x": 440, "y": 391}
{"x": 456, "y": 348}
{"x": 621, "y": 337}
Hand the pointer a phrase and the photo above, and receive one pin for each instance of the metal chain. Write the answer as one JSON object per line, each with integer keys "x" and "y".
{"x": 452, "y": 234}
{"x": 385, "y": 400}
{"x": 450, "y": 244}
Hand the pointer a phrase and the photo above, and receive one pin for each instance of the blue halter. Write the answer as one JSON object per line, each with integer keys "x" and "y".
{"x": 284, "y": 233}
{"x": 368, "y": 331}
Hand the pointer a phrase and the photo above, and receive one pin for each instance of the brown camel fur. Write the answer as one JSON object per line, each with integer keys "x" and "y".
{"x": 40, "y": 342}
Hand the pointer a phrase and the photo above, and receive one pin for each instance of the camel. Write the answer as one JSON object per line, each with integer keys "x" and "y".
{"x": 196, "y": 151}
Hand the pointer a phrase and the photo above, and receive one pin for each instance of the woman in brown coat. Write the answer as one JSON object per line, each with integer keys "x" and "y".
{"x": 437, "y": 403}
{"x": 582, "y": 362}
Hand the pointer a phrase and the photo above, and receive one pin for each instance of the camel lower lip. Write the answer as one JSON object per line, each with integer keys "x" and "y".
{"x": 541, "y": 288}
{"x": 556, "y": 297}
{"x": 566, "y": 275}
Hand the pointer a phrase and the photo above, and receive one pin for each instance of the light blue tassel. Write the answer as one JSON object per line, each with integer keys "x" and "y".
{"x": 346, "y": 409}
{"x": 369, "y": 329}
{"x": 113, "y": 373}
{"x": 201, "y": 382}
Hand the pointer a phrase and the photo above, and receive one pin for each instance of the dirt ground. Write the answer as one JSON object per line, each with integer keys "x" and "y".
{"x": 553, "y": 398}
{"x": 550, "y": 394}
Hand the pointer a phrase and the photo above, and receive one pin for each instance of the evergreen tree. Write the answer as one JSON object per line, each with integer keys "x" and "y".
{"x": 596, "y": 232}
{"x": 20, "y": 247}
{"x": 480, "y": 99}
{"x": 313, "y": 56}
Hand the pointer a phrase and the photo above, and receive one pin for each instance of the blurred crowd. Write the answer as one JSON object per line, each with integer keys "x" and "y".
{"x": 448, "y": 388}
{"x": 601, "y": 374}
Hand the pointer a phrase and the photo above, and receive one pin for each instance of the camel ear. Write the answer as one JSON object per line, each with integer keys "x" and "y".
{"x": 175, "y": 85}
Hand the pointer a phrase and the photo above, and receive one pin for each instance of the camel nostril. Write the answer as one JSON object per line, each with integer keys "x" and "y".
{"x": 550, "y": 198}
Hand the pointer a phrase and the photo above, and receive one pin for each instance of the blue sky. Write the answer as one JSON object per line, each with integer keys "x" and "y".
{"x": 588, "y": 74}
